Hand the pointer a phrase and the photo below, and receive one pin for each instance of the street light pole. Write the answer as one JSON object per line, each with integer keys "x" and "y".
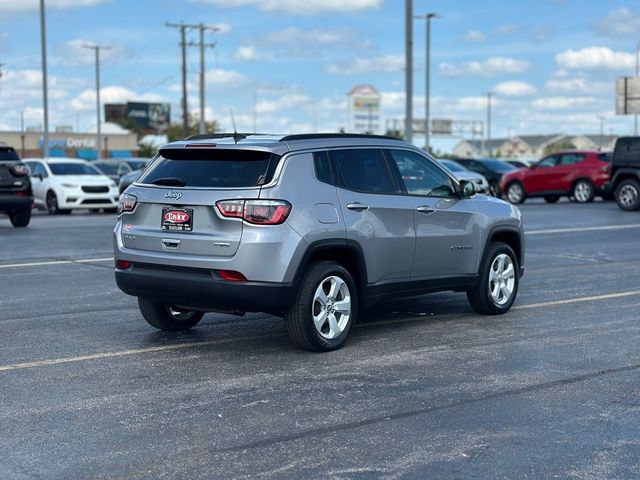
{"x": 427, "y": 83}
{"x": 489, "y": 94}
{"x": 45, "y": 93}
{"x": 96, "y": 49}
{"x": 635, "y": 125}
{"x": 408, "y": 118}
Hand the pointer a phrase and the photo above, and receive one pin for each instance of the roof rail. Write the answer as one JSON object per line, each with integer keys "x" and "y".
{"x": 318, "y": 136}
{"x": 213, "y": 136}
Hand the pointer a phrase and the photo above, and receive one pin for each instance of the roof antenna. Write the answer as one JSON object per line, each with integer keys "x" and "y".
{"x": 236, "y": 137}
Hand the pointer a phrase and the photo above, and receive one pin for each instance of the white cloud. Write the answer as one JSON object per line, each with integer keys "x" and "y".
{"x": 14, "y": 6}
{"x": 506, "y": 29}
{"x": 314, "y": 36}
{"x": 486, "y": 68}
{"x": 246, "y": 54}
{"x": 541, "y": 33}
{"x": 514, "y": 89}
{"x": 595, "y": 58}
{"x": 300, "y": 7}
{"x": 475, "y": 36}
{"x": 220, "y": 77}
{"x": 624, "y": 22}
{"x": 578, "y": 86}
{"x": 86, "y": 100}
{"x": 360, "y": 66}
{"x": 284, "y": 102}
{"x": 222, "y": 27}
{"x": 562, "y": 103}
{"x": 75, "y": 52}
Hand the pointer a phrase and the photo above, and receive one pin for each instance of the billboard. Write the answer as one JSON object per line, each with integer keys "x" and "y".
{"x": 148, "y": 117}
{"x": 364, "y": 109}
{"x": 628, "y": 96}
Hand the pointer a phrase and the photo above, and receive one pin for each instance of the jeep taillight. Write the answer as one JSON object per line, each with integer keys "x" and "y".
{"x": 19, "y": 170}
{"x": 127, "y": 203}
{"x": 257, "y": 212}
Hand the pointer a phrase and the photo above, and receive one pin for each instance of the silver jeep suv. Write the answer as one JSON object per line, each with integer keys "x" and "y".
{"x": 312, "y": 227}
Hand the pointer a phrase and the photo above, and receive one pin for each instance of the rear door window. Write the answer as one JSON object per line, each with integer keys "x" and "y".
{"x": 8, "y": 154}
{"x": 363, "y": 170}
{"x": 570, "y": 158}
{"x": 188, "y": 167}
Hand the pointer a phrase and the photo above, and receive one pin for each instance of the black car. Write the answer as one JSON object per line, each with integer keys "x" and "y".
{"x": 492, "y": 169}
{"x": 16, "y": 197}
{"x": 625, "y": 173}
{"x": 116, "y": 168}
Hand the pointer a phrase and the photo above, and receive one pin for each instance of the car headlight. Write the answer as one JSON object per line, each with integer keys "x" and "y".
{"x": 69, "y": 185}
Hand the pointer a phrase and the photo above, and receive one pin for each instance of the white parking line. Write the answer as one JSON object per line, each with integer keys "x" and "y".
{"x": 583, "y": 229}
{"x": 56, "y": 262}
{"x": 183, "y": 346}
{"x": 594, "y": 298}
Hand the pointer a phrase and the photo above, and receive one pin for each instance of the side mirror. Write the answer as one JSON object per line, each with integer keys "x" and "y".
{"x": 467, "y": 187}
{"x": 38, "y": 176}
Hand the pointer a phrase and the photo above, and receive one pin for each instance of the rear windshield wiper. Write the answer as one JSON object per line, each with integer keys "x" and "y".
{"x": 170, "y": 182}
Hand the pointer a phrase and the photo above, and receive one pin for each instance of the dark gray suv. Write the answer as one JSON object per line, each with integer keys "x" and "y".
{"x": 312, "y": 227}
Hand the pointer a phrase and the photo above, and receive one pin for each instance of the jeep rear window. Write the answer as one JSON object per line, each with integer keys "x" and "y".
{"x": 212, "y": 168}
{"x": 8, "y": 153}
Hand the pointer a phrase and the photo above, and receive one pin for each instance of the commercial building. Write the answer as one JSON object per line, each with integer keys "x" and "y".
{"x": 117, "y": 142}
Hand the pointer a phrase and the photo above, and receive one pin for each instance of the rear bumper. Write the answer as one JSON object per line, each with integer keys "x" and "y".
{"x": 202, "y": 289}
{"x": 12, "y": 201}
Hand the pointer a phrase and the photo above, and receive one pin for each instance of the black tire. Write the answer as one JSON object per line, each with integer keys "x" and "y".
{"x": 551, "y": 198}
{"x": 159, "y": 315}
{"x": 494, "y": 189}
{"x": 583, "y": 191}
{"x": 514, "y": 198}
{"x": 480, "y": 297}
{"x": 52, "y": 203}
{"x": 627, "y": 195}
{"x": 20, "y": 218}
{"x": 299, "y": 318}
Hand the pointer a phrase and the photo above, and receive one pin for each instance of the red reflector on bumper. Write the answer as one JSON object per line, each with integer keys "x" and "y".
{"x": 123, "y": 264}
{"x": 231, "y": 275}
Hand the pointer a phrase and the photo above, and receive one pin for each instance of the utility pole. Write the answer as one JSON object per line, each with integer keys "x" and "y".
{"x": 635, "y": 125}
{"x": 489, "y": 94}
{"x": 183, "y": 44}
{"x": 601, "y": 118}
{"x": 408, "y": 118}
{"x": 45, "y": 94}
{"x": 427, "y": 68}
{"x": 96, "y": 49}
{"x": 22, "y": 136}
{"x": 203, "y": 28}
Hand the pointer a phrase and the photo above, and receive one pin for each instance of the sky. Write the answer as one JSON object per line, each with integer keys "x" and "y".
{"x": 550, "y": 64}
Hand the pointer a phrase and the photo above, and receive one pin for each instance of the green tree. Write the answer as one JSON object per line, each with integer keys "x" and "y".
{"x": 146, "y": 150}
{"x": 174, "y": 132}
{"x": 559, "y": 146}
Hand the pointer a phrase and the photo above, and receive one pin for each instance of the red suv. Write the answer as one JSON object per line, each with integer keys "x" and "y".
{"x": 580, "y": 175}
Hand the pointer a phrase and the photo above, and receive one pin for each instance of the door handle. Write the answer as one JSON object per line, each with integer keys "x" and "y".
{"x": 426, "y": 209}
{"x": 170, "y": 243}
{"x": 357, "y": 206}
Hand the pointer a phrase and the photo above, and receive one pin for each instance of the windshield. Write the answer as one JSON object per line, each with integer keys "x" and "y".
{"x": 73, "y": 169}
{"x": 215, "y": 169}
{"x": 137, "y": 164}
{"x": 108, "y": 168}
{"x": 498, "y": 166}
{"x": 453, "y": 166}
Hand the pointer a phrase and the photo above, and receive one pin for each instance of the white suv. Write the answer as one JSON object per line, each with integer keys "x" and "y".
{"x": 64, "y": 184}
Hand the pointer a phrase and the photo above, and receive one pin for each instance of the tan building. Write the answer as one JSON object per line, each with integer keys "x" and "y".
{"x": 531, "y": 147}
{"x": 71, "y": 144}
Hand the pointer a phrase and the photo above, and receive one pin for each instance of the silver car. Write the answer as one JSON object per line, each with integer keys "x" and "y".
{"x": 479, "y": 181}
{"x": 311, "y": 227}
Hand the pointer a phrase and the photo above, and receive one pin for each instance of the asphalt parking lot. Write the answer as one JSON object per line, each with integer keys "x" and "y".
{"x": 424, "y": 388}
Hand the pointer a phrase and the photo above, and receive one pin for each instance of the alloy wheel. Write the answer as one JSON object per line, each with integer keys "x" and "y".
{"x": 331, "y": 308}
{"x": 628, "y": 196}
{"x": 582, "y": 192}
{"x": 502, "y": 279}
{"x": 515, "y": 193}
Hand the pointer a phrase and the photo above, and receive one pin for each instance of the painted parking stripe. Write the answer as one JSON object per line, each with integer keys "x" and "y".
{"x": 184, "y": 346}
{"x": 593, "y": 298}
{"x": 56, "y": 262}
{"x": 583, "y": 229}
